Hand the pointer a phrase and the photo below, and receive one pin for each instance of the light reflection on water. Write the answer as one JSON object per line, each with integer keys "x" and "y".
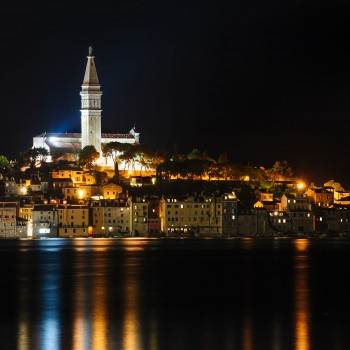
{"x": 131, "y": 324}
{"x": 153, "y": 295}
{"x": 302, "y": 310}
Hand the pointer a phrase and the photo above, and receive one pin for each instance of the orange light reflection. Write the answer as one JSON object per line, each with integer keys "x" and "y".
{"x": 99, "y": 326}
{"x": 131, "y": 323}
{"x": 302, "y": 312}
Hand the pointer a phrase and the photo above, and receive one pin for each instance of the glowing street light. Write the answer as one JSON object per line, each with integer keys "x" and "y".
{"x": 81, "y": 194}
{"x": 300, "y": 185}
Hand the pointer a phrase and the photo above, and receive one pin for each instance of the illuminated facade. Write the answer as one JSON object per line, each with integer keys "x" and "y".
{"x": 8, "y": 213}
{"x": 72, "y": 220}
{"x": 138, "y": 216}
{"x": 194, "y": 216}
{"x": 110, "y": 218}
{"x": 44, "y": 221}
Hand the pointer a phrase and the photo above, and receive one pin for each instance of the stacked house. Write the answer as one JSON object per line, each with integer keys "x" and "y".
{"x": 69, "y": 202}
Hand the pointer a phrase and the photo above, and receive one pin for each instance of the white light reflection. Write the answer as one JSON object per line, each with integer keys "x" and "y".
{"x": 50, "y": 296}
{"x": 50, "y": 334}
{"x": 81, "y": 325}
{"x": 23, "y": 340}
{"x": 80, "y": 335}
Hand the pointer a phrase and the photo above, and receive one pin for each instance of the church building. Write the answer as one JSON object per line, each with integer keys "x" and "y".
{"x": 59, "y": 144}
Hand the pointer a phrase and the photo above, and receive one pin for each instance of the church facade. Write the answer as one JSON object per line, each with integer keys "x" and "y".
{"x": 71, "y": 143}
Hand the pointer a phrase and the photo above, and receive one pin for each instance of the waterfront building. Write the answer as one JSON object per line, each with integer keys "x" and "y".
{"x": 191, "y": 216}
{"x": 332, "y": 220}
{"x": 72, "y": 220}
{"x": 26, "y": 213}
{"x": 280, "y": 222}
{"x": 45, "y": 221}
{"x": 154, "y": 221}
{"x": 253, "y": 222}
{"x": 138, "y": 216}
{"x": 229, "y": 215}
{"x": 8, "y": 215}
{"x": 110, "y": 218}
{"x": 22, "y": 228}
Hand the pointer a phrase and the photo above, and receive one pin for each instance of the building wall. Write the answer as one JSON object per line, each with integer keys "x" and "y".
{"x": 229, "y": 216}
{"x": 138, "y": 216}
{"x": 44, "y": 221}
{"x": 8, "y": 214}
{"x": 191, "y": 217}
{"x": 111, "y": 191}
{"x": 72, "y": 221}
{"x": 110, "y": 220}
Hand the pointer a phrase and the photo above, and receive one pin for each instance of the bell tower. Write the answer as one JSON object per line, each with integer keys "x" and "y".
{"x": 91, "y": 106}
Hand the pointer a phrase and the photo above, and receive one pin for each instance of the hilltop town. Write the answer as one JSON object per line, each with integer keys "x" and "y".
{"x": 188, "y": 197}
{"x": 95, "y": 184}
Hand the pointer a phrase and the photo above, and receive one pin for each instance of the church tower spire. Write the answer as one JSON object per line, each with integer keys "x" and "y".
{"x": 91, "y": 106}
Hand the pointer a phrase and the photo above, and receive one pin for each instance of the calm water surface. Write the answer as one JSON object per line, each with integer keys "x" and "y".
{"x": 136, "y": 294}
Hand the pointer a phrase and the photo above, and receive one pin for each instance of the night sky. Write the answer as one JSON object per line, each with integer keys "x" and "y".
{"x": 260, "y": 80}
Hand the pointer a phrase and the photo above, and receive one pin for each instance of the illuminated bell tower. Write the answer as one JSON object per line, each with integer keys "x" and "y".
{"x": 91, "y": 106}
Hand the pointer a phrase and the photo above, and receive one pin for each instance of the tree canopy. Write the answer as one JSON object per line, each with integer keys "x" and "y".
{"x": 88, "y": 156}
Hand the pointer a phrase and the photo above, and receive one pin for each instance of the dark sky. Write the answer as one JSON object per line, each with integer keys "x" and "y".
{"x": 261, "y": 80}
